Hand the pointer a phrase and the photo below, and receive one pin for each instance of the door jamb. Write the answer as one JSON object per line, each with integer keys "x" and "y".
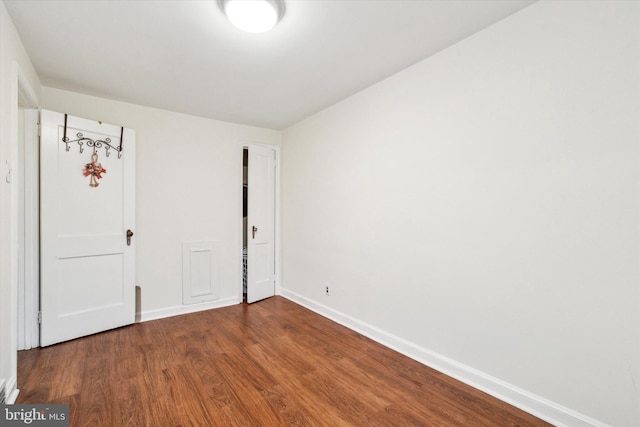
{"x": 29, "y": 241}
{"x": 27, "y": 309}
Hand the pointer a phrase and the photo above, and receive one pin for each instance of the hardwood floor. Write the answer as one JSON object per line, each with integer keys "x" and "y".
{"x": 272, "y": 363}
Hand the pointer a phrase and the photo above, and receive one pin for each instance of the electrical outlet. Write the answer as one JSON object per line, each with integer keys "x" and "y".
{"x": 326, "y": 290}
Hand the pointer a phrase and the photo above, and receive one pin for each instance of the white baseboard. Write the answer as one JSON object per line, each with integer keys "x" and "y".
{"x": 11, "y": 391}
{"x": 184, "y": 309}
{"x": 535, "y": 405}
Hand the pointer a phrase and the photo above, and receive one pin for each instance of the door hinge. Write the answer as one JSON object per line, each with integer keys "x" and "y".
{"x": 39, "y": 317}
{"x": 8, "y": 177}
{"x": 39, "y": 129}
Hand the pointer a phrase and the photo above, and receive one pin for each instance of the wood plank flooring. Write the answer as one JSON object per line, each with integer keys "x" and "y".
{"x": 273, "y": 363}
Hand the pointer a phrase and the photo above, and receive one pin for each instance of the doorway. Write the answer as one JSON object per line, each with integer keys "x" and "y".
{"x": 259, "y": 222}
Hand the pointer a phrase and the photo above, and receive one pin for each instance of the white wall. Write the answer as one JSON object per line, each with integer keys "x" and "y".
{"x": 481, "y": 209}
{"x": 15, "y": 68}
{"x": 188, "y": 186}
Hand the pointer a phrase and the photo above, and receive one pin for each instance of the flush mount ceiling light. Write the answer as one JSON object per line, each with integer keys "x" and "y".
{"x": 254, "y": 16}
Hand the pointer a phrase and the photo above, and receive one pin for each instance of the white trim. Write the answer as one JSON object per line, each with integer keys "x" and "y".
{"x": 21, "y": 190}
{"x": 240, "y": 216}
{"x": 11, "y": 391}
{"x": 32, "y": 228}
{"x": 26, "y": 94}
{"x": 538, "y": 406}
{"x": 22, "y": 95}
{"x": 29, "y": 287}
{"x": 27, "y": 323}
{"x": 276, "y": 231}
{"x": 178, "y": 310}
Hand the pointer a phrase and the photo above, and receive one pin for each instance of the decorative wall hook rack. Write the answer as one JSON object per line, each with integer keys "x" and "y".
{"x": 92, "y": 143}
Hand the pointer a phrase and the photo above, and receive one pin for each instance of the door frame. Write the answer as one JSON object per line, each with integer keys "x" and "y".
{"x": 276, "y": 256}
{"x": 29, "y": 238}
{"x": 27, "y": 262}
{"x": 22, "y": 95}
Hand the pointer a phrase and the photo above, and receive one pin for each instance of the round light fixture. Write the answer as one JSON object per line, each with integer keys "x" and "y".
{"x": 254, "y": 16}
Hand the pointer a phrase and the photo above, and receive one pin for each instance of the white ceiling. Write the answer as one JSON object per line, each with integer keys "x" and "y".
{"x": 185, "y": 56}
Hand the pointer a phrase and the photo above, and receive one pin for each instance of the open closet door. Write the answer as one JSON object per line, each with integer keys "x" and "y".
{"x": 87, "y": 246}
{"x": 261, "y": 224}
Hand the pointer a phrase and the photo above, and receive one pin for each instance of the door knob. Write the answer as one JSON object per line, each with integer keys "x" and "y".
{"x": 129, "y": 235}
{"x": 253, "y": 231}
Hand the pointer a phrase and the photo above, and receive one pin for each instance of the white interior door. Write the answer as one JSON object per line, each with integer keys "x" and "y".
{"x": 261, "y": 223}
{"x": 87, "y": 260}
